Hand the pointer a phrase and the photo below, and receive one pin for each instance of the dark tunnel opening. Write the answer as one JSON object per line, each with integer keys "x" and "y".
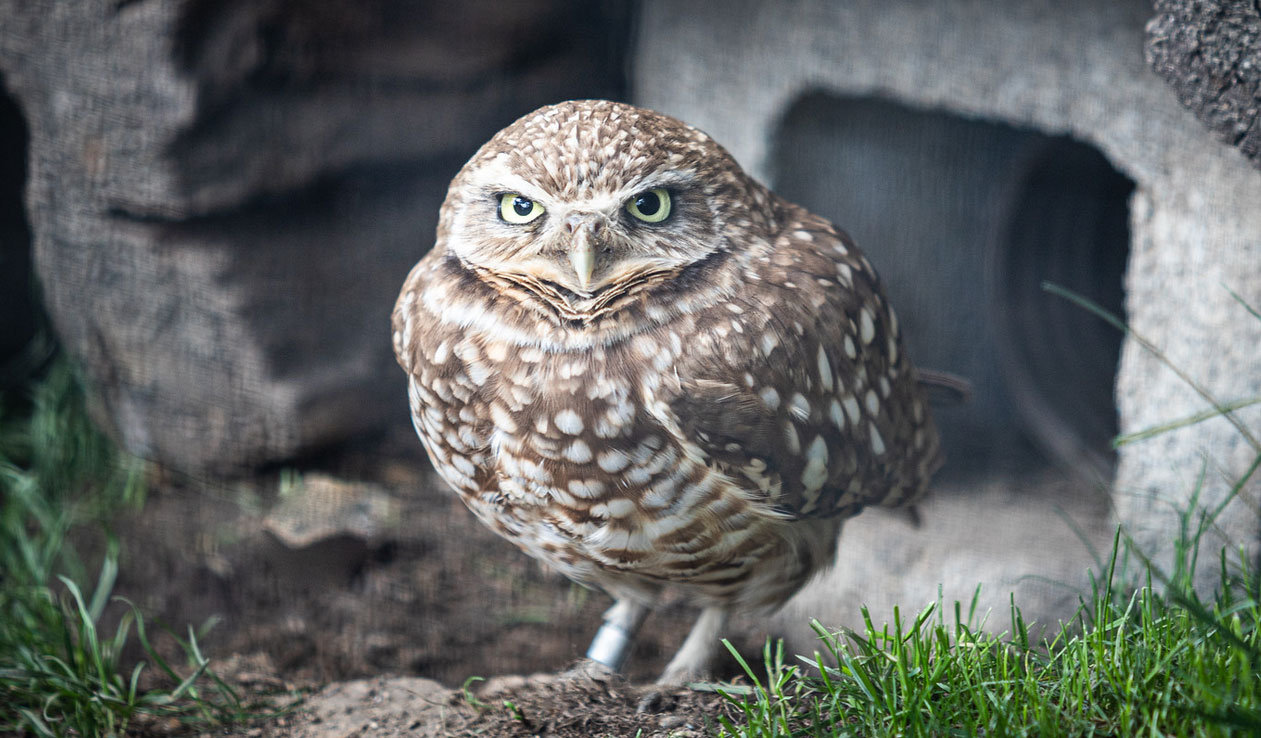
{"x": 965, "y": 220}
{"x": 1066, "y": 224}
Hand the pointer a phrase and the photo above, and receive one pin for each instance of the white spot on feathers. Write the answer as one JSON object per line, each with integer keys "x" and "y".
{"x": 866, "y": 326}
{"x": 877, "y": 443}
{"x": 836, "y": 414}
{"x": 442, "y": 353}
{"x": 586, "y": 488}
{"x": 852, "y": 409}
{"x": 873, "y": 402}
{"x": 578, "y": 452}
{"x": 502, "y": 418}
{"x": 799, "y": 407}
{"x": 825, "y": 370}
{"x": 791, "y": 438}
{"x": 612, "y": 460}
{"x": 567, "y": 421}
{"x": 816, "y": 471}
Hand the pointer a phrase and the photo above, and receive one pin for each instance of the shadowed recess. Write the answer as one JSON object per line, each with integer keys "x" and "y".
{"x": 965, "y": 220}
{"x": 17, "y": 296}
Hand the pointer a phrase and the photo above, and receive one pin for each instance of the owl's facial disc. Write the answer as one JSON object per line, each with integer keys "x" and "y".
{"x": 579, "y": 245}
{"x": 584, "y": 240}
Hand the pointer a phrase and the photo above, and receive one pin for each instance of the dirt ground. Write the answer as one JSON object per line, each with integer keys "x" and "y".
{"x": 565, "y": 706}
{"x": 367, "y": 586}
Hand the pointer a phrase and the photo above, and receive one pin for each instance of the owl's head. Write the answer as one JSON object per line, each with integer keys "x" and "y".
{"x": 590, "y": 194}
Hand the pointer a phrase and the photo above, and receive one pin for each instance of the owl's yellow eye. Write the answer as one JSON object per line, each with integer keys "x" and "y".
{"x": 518, "y": 209}
{"x": 652, "y": 206}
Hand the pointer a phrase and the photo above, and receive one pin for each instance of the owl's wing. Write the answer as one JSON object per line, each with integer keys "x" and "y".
{"x": 801, "y": 385}
{"x": 446, "y": 385}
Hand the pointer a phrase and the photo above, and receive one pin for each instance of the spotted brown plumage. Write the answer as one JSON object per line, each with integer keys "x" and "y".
{"x": 644, "y": 368}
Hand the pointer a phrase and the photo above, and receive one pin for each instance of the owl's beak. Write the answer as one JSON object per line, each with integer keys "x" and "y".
{"x": 582, "y": 256}
{"x": 582, "y": 251}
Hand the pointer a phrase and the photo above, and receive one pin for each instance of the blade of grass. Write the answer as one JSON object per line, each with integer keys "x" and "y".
{"x": 1088, "y": 304}
{"x": 1243, "y": 302}
{"x": 1200, "y": 417}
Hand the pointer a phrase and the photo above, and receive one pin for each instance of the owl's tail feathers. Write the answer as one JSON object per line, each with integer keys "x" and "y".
{"x": 943, "y": 388}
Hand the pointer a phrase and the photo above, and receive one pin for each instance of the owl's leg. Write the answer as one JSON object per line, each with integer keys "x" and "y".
{"x": 613, "y": 640}
{"x": 694, "y": 656}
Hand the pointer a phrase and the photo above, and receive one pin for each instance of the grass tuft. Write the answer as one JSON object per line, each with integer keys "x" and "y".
{"x": 1130, "y": 663}
{"x": 62, "y": 669}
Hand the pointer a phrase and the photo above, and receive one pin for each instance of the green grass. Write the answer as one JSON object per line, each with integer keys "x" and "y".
{"x": 1144, "y": 655}
{"x": 1132, "y": 663}
{"x": 62, "y": 670}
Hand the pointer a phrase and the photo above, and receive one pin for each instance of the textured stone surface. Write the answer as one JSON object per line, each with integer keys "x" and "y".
{"x": 1076, "y": 68}
{"x": 226, "y": 196}
{"x": 1210, "y": 53}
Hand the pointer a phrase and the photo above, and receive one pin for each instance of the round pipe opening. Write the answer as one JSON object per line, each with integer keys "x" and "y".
{"x": 1066, "y": 224}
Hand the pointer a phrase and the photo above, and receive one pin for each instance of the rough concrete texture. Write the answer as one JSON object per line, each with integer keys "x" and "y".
{"x": 1210, "y": 53}
{"x": 225, "y": 197}
{"x": 1074, "y": 68}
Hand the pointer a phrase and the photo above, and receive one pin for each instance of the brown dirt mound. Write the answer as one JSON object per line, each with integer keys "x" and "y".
{"x": 569, "y": 705}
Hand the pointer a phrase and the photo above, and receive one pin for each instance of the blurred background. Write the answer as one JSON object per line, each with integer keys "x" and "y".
{"x": 210, "y": 207}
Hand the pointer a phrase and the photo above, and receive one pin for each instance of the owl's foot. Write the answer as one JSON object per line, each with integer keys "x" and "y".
{"x": 690, "y": 664}
{"x": 693, "y": 659}
{"x": 613, "y": 640}
{"x": 587, "y": 670}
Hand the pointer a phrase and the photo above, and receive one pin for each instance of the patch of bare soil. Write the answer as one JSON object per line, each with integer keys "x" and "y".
{"x": 371, "y": 587}
{"x": 568, "y": 705}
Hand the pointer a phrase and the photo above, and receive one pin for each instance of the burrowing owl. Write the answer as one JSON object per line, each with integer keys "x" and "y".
{"x": 644, "y": 368}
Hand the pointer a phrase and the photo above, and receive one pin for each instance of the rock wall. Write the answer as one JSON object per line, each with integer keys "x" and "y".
{"x": 226, "y": 196}
{"x": 1210, "y": 53}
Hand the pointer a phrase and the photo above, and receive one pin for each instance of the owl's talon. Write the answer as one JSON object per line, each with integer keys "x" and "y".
{"x": 658, "y": 698}
{"x": 589, "y": 670}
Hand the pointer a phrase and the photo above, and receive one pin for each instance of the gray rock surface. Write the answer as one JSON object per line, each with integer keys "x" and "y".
{"x": 225, "y": 197}
{"x": 1210, "y": 53}
{"x": 1075, "y": 68}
